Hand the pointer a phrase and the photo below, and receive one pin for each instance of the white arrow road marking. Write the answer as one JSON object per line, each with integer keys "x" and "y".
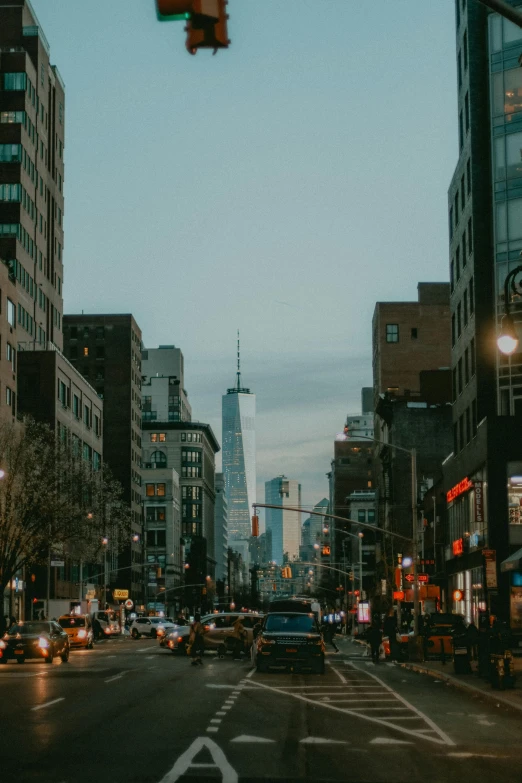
{"x": 47, "y": 704}
{"x": 389, "y": 741}
{"x": 322, "y": 741}
{"x": 185, "y": 762}
{"x": 248, "y": 738}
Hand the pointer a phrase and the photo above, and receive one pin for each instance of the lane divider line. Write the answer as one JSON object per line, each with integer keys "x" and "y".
{"x": 47, "y": 704}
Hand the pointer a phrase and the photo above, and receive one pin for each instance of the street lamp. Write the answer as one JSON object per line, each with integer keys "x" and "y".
{"x": 507, "y": 341}
{"x": 105, "y": 542}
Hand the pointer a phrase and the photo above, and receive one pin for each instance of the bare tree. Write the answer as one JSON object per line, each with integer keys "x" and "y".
{"x": 50, "y": 496}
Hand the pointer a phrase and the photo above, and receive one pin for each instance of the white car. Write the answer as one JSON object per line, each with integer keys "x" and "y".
{"x": 151, "y": 626}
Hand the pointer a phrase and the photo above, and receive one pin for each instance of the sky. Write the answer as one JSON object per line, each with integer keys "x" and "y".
{"x": 281, "y": 188}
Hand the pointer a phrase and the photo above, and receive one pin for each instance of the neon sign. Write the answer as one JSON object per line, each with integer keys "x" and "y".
{"x": 458, "y": 547}
{"x": 463, "y": 486}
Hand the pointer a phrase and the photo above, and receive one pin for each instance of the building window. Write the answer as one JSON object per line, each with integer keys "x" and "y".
{"x": 160, "y": 490}
{"x": 468, "y": 175}
{"x": 76, "y": 406}
{"x": 466, "y": 366}
{"x": 465, "y": 49}
{"x": 190, "y": 472}
{"x": 100, "y": 332}
{"x": 158, "y": 459}
{"x": 459, "y": 376}
{"x": 190, "y": 493}
{"x": 464, "y": 251}
{"x": 97, "y": 425}
{"x": 361, "y": 515}
{"x": 86, "y": 351}
{"x": 149, "y": 490}
{"x": 457, "y": 263}
{"x": 453, "y": 330}
{"x": 156, "y": 538}
{"x": 465, "y": 308}
{"x": 15, "y": 81}
{"x": 461, "y": 134}
{"x": 156, "y": 513}
{"x": 452, "y": 276}
{"x": 11, "y": 313}
{"x": 414, "y": 333}
{"x": 392, "y": 333}
{"x": 11, "y": 356}
{"x": 188, "y": 456}
{"x": 86, "y": 416}
{"x": 10, "y": 153}
{"x": 470, "y": 236}
{"x": 371, "y": 515}
{"x": 466, "y": 111}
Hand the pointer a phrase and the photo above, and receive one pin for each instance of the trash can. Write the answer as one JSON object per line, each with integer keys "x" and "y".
{"x": 461, "y": 656}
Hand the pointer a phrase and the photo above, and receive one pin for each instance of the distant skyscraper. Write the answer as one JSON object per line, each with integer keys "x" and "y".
{"x": 239, "y": 461}
{"x": 284, "y": 525}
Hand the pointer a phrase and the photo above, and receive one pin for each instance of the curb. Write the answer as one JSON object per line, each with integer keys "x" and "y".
{"x": 465, "y": 686}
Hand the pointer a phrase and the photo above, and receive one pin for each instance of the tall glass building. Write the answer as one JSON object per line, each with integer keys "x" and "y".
{"x": 239, "y": 462}
{"x": 284, "y": 525}
{"x": 483, "y": 474}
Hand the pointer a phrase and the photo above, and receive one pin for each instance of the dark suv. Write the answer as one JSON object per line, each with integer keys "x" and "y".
{"x": 290, "y": 639}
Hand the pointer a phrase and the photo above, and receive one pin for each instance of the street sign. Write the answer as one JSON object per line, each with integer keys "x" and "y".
{"x": 409, "y": 577}
{"x": 129, "y": 604}
{"x": 120, "y": 595}
{"x": 423, "y": 578}
{"x": 398, "y": 595}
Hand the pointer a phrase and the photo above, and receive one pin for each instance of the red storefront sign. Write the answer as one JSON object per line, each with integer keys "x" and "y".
{"x": 458, "y": 547}
{"x": 479, "y": 501}
{"x": 463, "y": 486}
{"x": 398, "y": 595}
{"x": 423, "y": 578}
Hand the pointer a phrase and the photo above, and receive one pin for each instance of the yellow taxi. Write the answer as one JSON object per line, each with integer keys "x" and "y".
{"x": 78, "y": 628}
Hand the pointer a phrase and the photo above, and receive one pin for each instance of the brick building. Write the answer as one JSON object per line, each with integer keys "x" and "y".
{"x": 106, "y": 350}
{"x": 32, "y": 123}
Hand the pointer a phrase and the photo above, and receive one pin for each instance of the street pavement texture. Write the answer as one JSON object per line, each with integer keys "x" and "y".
{"x": 131, "y": 712}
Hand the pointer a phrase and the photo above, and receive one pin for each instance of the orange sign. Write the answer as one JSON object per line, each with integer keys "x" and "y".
{"x": 463, "y": 486}
{"x": 398, "y": 595}
{"x": 423, "y": 578}
{"x": 458, "y": 595}
{"x": 458, "y": 547}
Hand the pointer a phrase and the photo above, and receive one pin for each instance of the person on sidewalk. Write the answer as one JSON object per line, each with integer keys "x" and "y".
{"x": 374, "y": 636}
{"x": 391, "y": 630}
{"x": 328, "y": 630}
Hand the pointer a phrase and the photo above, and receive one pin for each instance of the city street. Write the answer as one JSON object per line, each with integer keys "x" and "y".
{"x": 131, "y": 711}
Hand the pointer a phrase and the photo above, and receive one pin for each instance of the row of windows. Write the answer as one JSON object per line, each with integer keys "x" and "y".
{"x": 64, "y": 395}
{"x": 191, "y": 511}
{"x": 463, "y": 250}
{"x": 464, "y": 370}
{"x": 465, "y": 309}
{"x": 157, "y": 538}
{"x": 459, "y": 203}
{"x": 155, "y": 513}
{"x": 158, "y": 437}
{"x": 190, "y": 472}
{"x": 188, "y": 455}
{"x": 462, "y": 58}
{"x": 155, "y": 490}
{"x": 465, "y": 428}
{"x": 464, "y": 121}
{"x": 26, "y": 320}
{"x": 190, "y": 493}
{"x": 99, "y": 332}
{"x": 191, "y": 437}
{"x": 392, "y": 333}
{"x": 361, "y": 515}
{"x": 10, "y": 399}
{"x": 18, "y": 231}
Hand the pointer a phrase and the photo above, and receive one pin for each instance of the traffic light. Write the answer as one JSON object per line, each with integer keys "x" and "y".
{"x": 255, "y": 526}
{"x": 286, "y": 573}
{"x": 205, "y": 32}
{"x": 176, "y": 10}
{"x": 326, "y": 551}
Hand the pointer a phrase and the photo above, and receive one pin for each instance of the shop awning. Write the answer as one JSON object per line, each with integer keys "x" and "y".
{"x": 513, "y": 562}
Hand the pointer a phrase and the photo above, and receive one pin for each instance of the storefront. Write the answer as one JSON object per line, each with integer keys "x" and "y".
{"x": 513, "y": 566}
{"x": 468, "y": 539}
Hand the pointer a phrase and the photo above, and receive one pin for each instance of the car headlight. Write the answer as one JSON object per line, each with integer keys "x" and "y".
{"x": 160, "y": 632}
{"x": 2, "y": 645}
{"x": 82, "y": 633}
{"x": 43, "y": 643}
{"x": 107, "y": 631}
{"x": 264, "y": 640}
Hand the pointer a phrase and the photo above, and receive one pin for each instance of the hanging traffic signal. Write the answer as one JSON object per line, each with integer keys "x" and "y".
{"x": 326, "y": 551}
{"x": 286, "y": 572}
{"x": 205, "y": 32}
{"x": 255, "y": 526}
{"x": 176, "y": 10}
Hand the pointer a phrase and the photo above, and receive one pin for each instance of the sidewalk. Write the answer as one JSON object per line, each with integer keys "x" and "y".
{"x": 471, "y": 683}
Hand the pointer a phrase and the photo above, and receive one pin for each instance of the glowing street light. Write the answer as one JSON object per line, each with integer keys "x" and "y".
{"x": 507, "y": 341}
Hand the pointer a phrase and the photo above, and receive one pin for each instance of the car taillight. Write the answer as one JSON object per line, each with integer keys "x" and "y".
{"x": 180, "y": 638}
{"x": 207, "y": 627}
{"x": 82, "y": 633}
{"x": 107, "y": 631}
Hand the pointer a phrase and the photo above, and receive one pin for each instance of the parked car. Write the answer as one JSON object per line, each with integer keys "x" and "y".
{"x": 108, "y": 623}
{"x": 35, "y": 639}
{"x": 150, "y": 626}
{"x": 79, "y": 630}
{"x": 289, "y": 640}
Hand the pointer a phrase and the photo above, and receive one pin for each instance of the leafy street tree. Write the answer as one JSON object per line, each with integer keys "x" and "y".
{"x": 52, "y": 498}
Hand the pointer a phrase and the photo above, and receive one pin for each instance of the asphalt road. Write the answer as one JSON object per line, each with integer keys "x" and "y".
{"x": 130, "y": 712}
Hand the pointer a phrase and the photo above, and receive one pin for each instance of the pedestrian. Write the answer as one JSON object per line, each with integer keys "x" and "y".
{"x": 374, "y": 636}
{"x": 328, "y": 630}
{"x": 196, "y": 643}
{"x": 239, "y": 635}
{"x": 390, "y": 629}
{"x": 96, "y": 629}
{"x": 12, "y": 621}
